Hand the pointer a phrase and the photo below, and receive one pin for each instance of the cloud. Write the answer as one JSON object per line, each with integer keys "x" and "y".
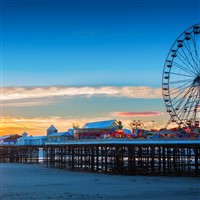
{"x": 36, "y": 125}
{"x": 19, "y": 103}
{"x": 39, "y": 95}
{"x": 138, "y": 114}
{"x": 39, "y": 125}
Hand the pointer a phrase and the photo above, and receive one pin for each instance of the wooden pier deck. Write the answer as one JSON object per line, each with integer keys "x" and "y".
{"x": 163, "y": 158}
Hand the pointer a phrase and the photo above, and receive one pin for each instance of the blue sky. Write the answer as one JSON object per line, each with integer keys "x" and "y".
{"x": 89, "y": 43}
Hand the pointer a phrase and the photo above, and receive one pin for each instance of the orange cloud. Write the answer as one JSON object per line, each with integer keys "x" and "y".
{"x": 138, "y": 114}
{"x": 39, "y": 125}
{"x": 34, "y": 126}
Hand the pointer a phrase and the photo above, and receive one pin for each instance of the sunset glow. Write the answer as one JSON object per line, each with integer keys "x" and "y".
{"x": 69, "y": 62}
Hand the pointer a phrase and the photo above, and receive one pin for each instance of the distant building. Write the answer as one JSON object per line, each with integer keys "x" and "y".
{"x": 93, "y": 130}
{"x": 11, "y": 140}
{"x": 71, "y": 131}
{"x": 54, "y": 136}
{"x": 59, "y": 137}
{"x": 31, "y": 140}
{"x": 51, "y": 130}
{"x": 2, "y": 138}
{"x": 127, "y": 133}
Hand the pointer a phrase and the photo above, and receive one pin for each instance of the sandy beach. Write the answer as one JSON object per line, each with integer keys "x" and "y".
{"x": 24, "y": 182}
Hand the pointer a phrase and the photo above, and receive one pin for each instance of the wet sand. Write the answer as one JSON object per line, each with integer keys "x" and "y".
{"x": 24, "y": 182}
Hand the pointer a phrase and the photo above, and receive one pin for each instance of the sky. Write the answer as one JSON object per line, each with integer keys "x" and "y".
{"x": 76, "y": 61}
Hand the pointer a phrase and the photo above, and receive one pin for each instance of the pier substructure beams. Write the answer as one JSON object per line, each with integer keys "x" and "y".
{"x": 129, "y": 159}
{"x": 19, "y": 154}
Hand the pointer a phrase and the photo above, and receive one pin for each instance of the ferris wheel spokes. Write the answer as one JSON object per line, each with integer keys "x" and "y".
{"x": 181, "y": 77}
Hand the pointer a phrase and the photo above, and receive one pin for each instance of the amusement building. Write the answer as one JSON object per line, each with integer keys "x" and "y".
{"x": 102, "y": 130}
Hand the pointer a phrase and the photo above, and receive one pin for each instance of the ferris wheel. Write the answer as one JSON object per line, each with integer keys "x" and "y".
{"x": 181, "y": 78}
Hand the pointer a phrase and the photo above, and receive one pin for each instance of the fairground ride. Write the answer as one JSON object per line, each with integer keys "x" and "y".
{"x": 181, "y": 79}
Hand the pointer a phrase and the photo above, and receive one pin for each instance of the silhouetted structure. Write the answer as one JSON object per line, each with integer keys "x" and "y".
{"x": 180, "y": 158}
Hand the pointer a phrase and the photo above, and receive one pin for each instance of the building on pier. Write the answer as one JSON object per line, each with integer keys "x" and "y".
{"x": 59, "y": 137}
{"x": 2, "y": 138}
{"x": 51, "y": 130}
{"x": 31, "y": 140}
{"x": 54, "y": 136}
{"x": 11, "y": 140}
{"x": 95, "y": 130}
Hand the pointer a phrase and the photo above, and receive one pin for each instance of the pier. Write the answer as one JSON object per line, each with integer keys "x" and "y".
{"x": 162, "y": 158}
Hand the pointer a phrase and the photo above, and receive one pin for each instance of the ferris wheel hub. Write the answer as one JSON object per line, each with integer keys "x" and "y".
{"x": 196, "y": 81}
